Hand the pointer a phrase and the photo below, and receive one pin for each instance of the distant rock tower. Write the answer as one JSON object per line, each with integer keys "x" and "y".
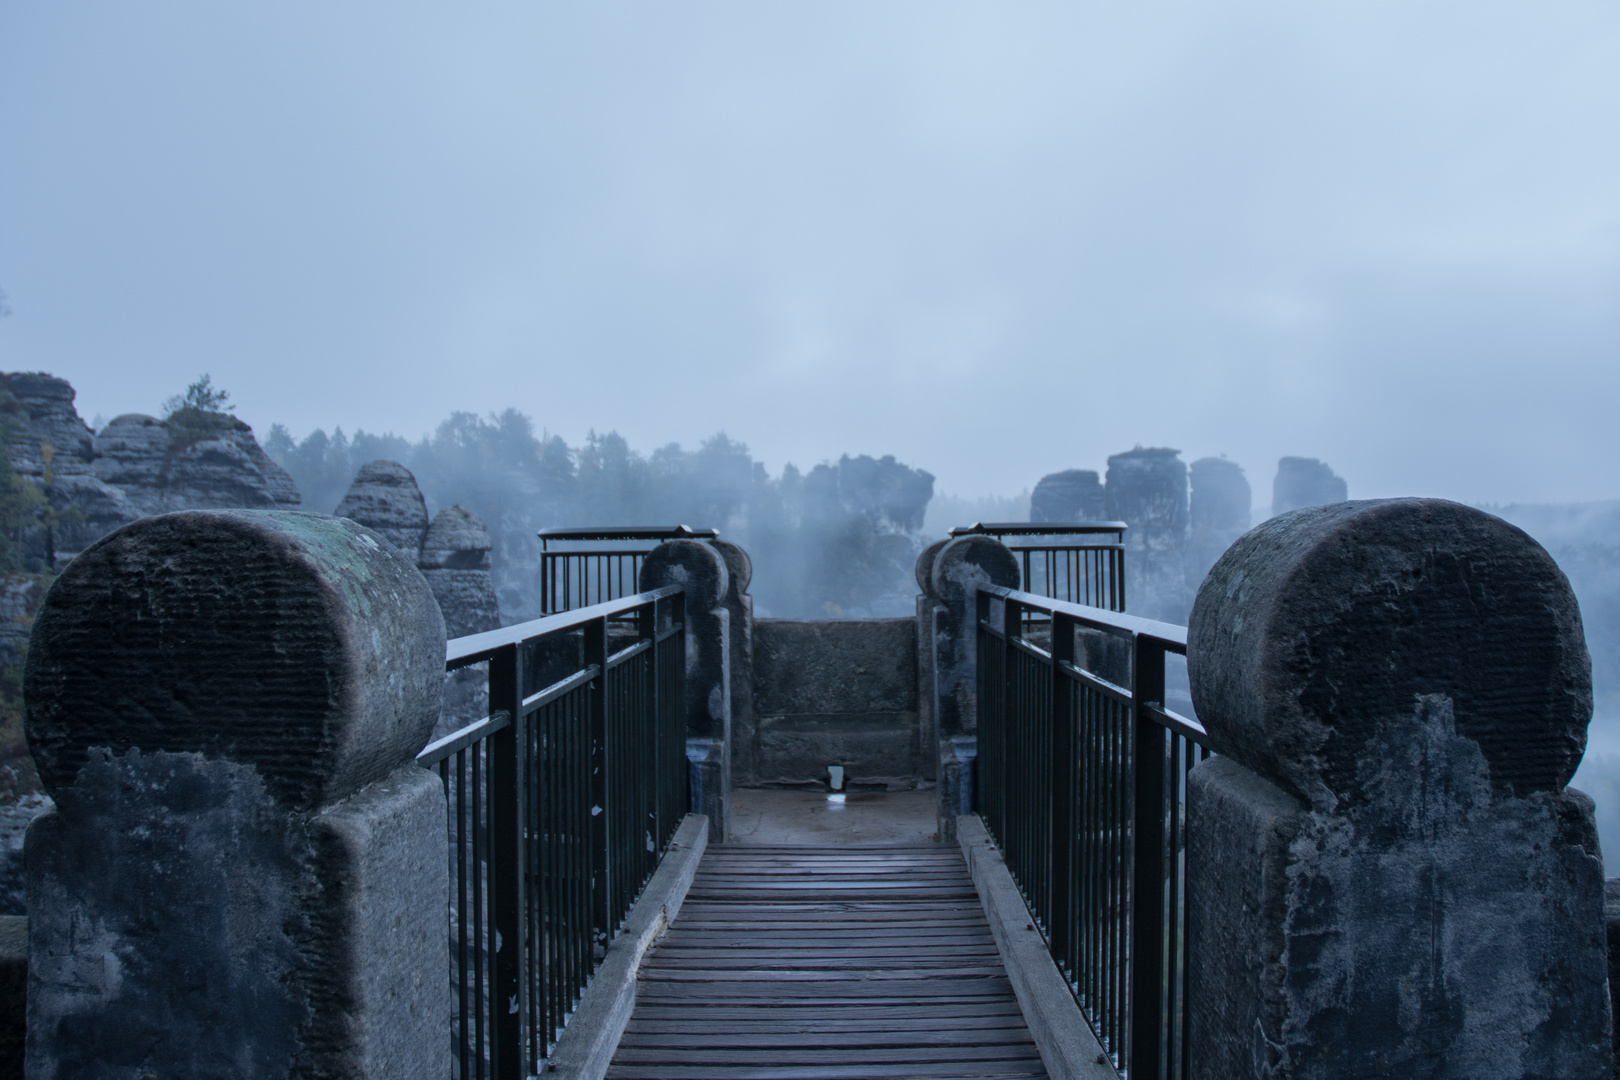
{"x": 384, "y": 498}
{"x": 1220, "y": 508}
{"x": 453, "y": 554}
{"x": 1305, "y": 482}
{"x": 1147, "y": 489}
{"x": 1063, "y": 498}
{"x": 455, "y": 561}
{"x": 452, "y": 551}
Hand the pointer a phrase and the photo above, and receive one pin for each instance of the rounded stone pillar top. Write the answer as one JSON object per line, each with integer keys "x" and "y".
{"x": 1315, "y": 636}
{"x": 691, "y": 563}
{"x": 303, "y": 645}
{"x": 739, "y": 567}
{"x": 925, "y": 568}
{"x": 967, "y": 562}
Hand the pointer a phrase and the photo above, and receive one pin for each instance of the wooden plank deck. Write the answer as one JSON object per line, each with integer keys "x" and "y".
{"x": 829, "y": 963}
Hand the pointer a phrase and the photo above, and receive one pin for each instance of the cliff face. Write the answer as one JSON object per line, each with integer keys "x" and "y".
{"x": 163, "y": 467}
{"x": 137, "y": 466}
{"x": 78, "y": 487}
{"x": 48, "y": 435}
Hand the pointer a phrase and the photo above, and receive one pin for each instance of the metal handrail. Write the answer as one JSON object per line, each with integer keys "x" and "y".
{"x": 475, "y": 648}
{"x": 626, "y": 532}
{"x": 561, "y": 803}
{"x": 1041, "y": 528}
{"x": 574, "y": 577}
{"x": 1080, "y": 573}
{"x": 1082, "y": 782}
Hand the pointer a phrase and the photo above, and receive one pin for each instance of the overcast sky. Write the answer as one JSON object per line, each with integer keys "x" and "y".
{"x": 993, "y": 239}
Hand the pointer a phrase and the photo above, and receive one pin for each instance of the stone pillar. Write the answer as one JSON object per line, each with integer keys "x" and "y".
{"x": 1387, "y": 875}
{"x": 927, "y": 603}
{"x": 702, "y": 570}
{"x": 740, "y": 610}
{"x": 960, "y": 568}
{"x": 246, "y": 873}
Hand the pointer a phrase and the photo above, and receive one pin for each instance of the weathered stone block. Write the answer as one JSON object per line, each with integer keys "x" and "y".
{"x": 962, "y": 566}
{"x": 1386, "y": 873}
{"x": 294, "y": 642}
{"x": 835, "y": 666}
{"x": 246, "y": 874}
{"x": 837, "y": 693}
{"x": 1316, "y": 632}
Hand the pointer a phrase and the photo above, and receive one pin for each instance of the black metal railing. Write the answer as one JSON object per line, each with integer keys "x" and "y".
{"x": 573, "y": 577}
{"x": 1082, "y": 777}
{"x": 1065, "y": 567}
{"x": 561, "y": 803}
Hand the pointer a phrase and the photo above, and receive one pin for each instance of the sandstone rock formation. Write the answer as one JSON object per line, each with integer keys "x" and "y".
{"x": 48, "y": 432}
{"x": 163, "y": 467}
{"x": 453, "y": 554}
{"x": 1219, "y": 511}
{"x": 1305, "y": 482}
{"x": 1147, "y": 489}
{"x": 139, "y": 466}
{"x": 455, "y": 560}
{"x": 1067, "y": 497}
{"x": 87, "y": 509}
{"x": 385, "y": 498}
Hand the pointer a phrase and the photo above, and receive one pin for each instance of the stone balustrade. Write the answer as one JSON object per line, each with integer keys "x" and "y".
{"x": 245, "y": 874}
{"x": 1386, "y": 873}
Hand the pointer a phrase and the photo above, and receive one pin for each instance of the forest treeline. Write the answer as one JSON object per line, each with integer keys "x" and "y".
{"x": 838, "y": 541}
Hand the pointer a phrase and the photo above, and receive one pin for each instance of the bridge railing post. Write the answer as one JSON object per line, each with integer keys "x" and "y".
{"x": 701, "y": 569}
{"x": 246, "y": 874}
{"x": 740, "y": 660}
{"x": 955, "y": 574}
{"x": 1147, "y": 870}
{"x": 1387, "y": 874}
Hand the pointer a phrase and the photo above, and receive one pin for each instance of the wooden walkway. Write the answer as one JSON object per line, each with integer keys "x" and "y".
{"x": 832, "y": 963}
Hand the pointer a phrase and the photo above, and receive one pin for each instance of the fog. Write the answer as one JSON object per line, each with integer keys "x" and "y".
{"x": 991, "y": 240}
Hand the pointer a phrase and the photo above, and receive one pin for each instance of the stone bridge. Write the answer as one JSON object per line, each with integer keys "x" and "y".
{"x": 1336, "y": 840}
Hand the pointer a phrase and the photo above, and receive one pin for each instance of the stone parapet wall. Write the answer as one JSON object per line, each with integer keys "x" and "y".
{"x": 837, "y": 693}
